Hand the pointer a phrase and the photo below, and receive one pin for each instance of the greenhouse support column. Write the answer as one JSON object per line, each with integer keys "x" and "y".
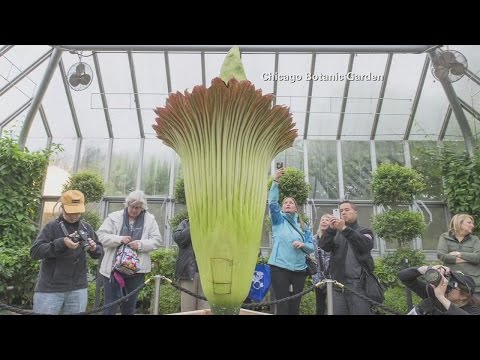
{"x": 457, "y": 110}
{"x": 37, "y": 98}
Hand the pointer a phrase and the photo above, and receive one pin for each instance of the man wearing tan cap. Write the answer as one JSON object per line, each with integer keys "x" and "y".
{"x": 62, "y": 246}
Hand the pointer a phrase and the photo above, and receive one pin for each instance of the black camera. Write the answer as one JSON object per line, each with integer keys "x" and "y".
{"x": 81, "y": 237}
{"x": 433, "y": 276}
{"x": 279, "y": 165}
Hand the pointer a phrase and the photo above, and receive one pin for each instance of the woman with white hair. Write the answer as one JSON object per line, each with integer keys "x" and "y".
{"x": 132, "y": 228}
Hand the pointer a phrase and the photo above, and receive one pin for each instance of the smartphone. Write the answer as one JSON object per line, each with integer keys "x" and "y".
{"x": 279, "y": 165}
{"x": 336, "y": 213}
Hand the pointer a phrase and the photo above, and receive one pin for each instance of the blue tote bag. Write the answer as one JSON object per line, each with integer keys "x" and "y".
{"x": 260, "y": 283}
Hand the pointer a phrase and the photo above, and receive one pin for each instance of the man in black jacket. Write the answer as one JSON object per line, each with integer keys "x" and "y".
{"x": 186, "y": 269}
{"x": 350, "y": 245}
{"x": 62, "y": 246}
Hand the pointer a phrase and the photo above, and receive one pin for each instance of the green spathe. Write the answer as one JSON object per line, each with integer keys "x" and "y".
{"x": 226, "y": 136}
{"x": 232, "y": 66}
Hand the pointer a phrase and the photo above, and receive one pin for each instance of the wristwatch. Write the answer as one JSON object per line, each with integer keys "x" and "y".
{"x": 139, "y": 243}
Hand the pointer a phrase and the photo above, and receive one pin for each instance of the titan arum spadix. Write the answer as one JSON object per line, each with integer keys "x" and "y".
{"x": 226, "y": 136}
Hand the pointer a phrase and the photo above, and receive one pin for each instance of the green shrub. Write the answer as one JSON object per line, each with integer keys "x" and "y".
{"x": 308, "y": 304}
{"x": 396, "y": 299}
{"x": 93, "y": 218}
{"x": 399, "y": 225}
{"x": 163, "y": 263}
{"x": 388, "y": 267}
{"x": 179, "y": 191}
{"x": 18, "y": 275}
{"x": 292, "y": 184}
{"x": 396, "y": 184}
{"x": 21, "y": 180}
{"x": 89, "y": 183}
{"x": 177, "y": 219}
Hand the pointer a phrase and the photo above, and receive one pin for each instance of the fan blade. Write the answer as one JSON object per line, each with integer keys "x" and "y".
{"x": 441, "y": 72}
{"x": 80, "y": 69}
{"x": 85, "y": 79}
{"x": 74, "y": 80}
{"x": 457, "y": 69}
{"x": 447, "y": 57}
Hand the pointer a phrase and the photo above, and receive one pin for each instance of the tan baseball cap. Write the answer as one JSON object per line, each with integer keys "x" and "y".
{"x": 73, "y": 201}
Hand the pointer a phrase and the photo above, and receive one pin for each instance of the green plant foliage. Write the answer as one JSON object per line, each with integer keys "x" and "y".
{"x": 163, "y": 263}
{"x": 461, "y": 181}
{"x": 21, "y": 180}
{"x": 388, "y": 267}
{"x": 399, "y": 225}
{"x": 293, "y": 184}
{"x": 18, "y": 275}
{"x": 396, "y": 299}
{"x": 177, "y": 219}
{"x": 89, "y": 183}
{"x": 308, "y": 305}
{"x": 93, "y": 218}
{"x": 180, "y": 191}
{"x": 394, "y": 184}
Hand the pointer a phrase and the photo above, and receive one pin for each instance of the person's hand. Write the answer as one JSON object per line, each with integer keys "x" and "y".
{"x": 134, "y": 245}
{"x": 298, "y": 244}
{"x": 338, "y": 224}
{"x": 455, "y": 253}
{"x": 92, "y": 245}
{"x": 441, "y": 288}
{"x": 126, "y": 240}
{"x": 69, "y": 243}
{"x": 278, "y": 174}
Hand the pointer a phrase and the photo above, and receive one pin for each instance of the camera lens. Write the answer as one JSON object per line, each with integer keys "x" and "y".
{"x": 433, "y": 276}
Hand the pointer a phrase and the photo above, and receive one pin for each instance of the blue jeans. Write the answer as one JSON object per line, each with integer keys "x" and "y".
{"x": 113, "y": 292}
{"x": 70, "y": 302}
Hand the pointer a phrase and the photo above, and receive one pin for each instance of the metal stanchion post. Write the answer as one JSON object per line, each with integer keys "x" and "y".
{"x": 329, "y": 297}
{"x": 408, "y": 292}
{"x": 156, "y": 300}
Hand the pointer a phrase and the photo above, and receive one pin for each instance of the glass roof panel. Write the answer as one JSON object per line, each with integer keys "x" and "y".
{"x": 256, "y": 66}
{"x": 11, "y": 101}
{"x": 430, "y": 111}
{"x": 213, "y": 64}
{"x": 15, "y": 126}
{"x": 327, "y": 96}
{"x": 57, "y": 109}
{"x": 453, "y": 132}
{"x": 124, "y": 167}
{"x": 185, "y": 70}
{"x": 292, "y": 88}
{"x": 402, "y": 83}
{"x": 156, "y": 168}
{"x": 93, "y": 155}
{"x": 37, "y": 134}
{"x": 366, "y": 80}
{"x": 22, "y": 56}
{"x": 87, "y": 102}
{"x": 117, "y": 83}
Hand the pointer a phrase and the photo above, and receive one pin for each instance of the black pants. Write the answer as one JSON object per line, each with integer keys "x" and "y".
{"x": 281, "y": 281}
{"x": 113, "y": 292}
{"x": 321, "y": 300}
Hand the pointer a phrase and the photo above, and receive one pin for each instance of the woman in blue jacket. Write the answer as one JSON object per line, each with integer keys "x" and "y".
{"x": 292, "y": 240}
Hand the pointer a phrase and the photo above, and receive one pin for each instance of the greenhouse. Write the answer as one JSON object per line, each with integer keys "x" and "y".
{"x": 355, "y": 107}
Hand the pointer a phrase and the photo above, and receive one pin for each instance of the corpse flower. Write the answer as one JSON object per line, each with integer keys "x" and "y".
{"x": 226, "y": 136}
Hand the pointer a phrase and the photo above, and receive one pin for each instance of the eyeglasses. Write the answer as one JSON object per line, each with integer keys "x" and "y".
{"x": 135, "y": 207}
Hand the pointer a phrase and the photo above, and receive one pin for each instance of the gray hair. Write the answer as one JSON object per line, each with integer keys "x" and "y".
{"x": 137, "y": 198}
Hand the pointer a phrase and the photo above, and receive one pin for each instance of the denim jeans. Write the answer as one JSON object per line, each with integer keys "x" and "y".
{"x": 70, "y": 302}
{"x": 113, "y": 292}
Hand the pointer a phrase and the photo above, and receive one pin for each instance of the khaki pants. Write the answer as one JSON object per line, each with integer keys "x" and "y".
{"x": 188, "y": 302}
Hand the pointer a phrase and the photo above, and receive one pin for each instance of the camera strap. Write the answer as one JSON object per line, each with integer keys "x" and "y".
{"x": 64, "y": 229}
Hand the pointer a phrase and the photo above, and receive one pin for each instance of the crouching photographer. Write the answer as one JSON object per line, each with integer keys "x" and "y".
{"x": 444, "y": 292}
